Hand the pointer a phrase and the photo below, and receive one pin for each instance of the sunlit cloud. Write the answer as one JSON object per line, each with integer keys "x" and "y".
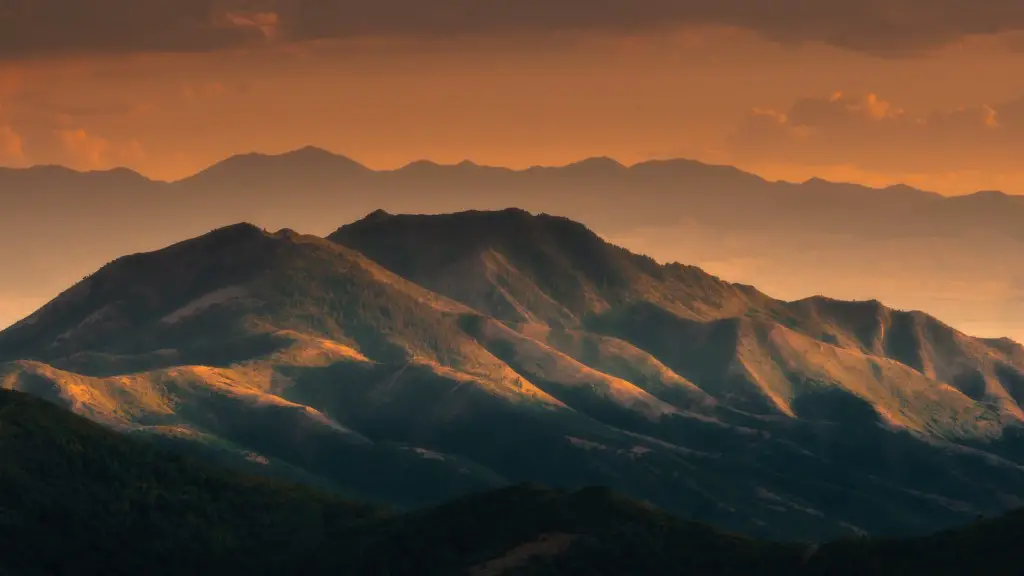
{"x": 12, "y": 152}
{"x": 89, "y": 152}
{"x": 873, "y": 134}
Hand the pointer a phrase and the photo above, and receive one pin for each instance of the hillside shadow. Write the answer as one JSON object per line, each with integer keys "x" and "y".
{"x": 828, "y": 404}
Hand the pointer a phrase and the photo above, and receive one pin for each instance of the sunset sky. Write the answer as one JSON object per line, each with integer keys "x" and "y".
{"x": 875, "y": 91}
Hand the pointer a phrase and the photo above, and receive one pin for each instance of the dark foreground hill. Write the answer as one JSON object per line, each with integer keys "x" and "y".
{"x": 76, "y": 498}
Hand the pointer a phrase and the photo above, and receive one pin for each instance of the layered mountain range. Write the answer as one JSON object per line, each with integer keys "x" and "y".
{"x": 411, "y": 358}
{"x": 957, "y": 257}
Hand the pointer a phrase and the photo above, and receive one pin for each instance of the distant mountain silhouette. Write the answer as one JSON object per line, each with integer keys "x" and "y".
{"x": 409, "y": 359}
{"x": 792, "y": 240}
{"x": 303, "y": 163}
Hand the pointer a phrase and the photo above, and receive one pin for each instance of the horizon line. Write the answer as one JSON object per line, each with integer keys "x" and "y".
{"x": 470, "y": 163}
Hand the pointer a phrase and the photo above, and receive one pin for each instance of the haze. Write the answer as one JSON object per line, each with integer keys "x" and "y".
{"x": 878, "y": 93}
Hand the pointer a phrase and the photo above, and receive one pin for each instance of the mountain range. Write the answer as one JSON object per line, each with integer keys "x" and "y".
{"x": 410, "y": 359}
{"x": 957, "y": 257}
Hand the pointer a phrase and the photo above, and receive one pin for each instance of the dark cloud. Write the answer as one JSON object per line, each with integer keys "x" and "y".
{"x": 884, "y": 27}
{"x": 31, "y": 28}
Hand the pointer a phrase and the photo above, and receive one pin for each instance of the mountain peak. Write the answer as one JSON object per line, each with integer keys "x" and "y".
{"x": 240, "y": 232}
{"x": 119, "y": 173}
{"x": 308, "y": 159}
{"x": 238, "y": 228}
{"x": 466, "y": 217}
{"x": 474, "y": 225}
{"x": 311, "y": 151}
{"x": 597, "y": 163}
{"x": 422, "y": 164}
{"x": 376, "y": 215}
{"x": 515, "y": 265}
{"x": 901, "y": 187}
{"x": 994, "y": 195}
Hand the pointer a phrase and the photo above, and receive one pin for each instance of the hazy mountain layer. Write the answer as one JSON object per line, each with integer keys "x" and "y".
{"x": 958, "y": 258}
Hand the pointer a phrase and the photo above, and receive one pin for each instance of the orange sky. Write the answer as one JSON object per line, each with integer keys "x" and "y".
{"x": 921, "y": 103}
{"x": 926, "y": 92}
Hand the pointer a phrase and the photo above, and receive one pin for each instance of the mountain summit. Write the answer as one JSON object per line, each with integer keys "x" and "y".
{"x": 551, "y": 272}
{"x": 410, "y": 358}
{"x": 305, "y": 163}
{"x": 521, "y": 267}
{"x": 737, "y": 224}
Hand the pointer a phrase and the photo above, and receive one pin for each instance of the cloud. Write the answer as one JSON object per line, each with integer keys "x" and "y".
{"x": 200, "y": 91}
{"x": 12, "y": 153}
{"x": 873, "y": 134}
{"x": 11, "y": 80}
{"x": 85, "y": 151}
{"x": 265, "y": 22}
{"x": 46, "y": 104}
{"x": 30, "y": 28}
{"x": 887, "y": 27}
{"x": 12, "y": 150}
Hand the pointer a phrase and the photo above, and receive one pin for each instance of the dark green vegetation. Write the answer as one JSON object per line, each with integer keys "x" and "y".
{"x": 413, "y": 359}
{"x": 76, "y": 498}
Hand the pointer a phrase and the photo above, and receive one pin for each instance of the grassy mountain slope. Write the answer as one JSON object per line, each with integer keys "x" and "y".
{"x": 731, "y": 341}
{"x": 436, "y": 372}
{"x": 515, "y": 266}
{"x": 902, "y": 386}
{"x": 199, "y": 336}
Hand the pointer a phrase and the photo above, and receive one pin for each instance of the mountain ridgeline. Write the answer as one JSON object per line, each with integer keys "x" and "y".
{"x": 410, "y": 359}
{"x": 867, "y": 242}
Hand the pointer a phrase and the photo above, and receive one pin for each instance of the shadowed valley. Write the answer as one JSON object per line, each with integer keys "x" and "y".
{"x": 80, "y": 499}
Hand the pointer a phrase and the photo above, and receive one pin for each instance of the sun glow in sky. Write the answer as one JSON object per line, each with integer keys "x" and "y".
{"x": 922, "y": 92}
{"x": 863, "y": 94}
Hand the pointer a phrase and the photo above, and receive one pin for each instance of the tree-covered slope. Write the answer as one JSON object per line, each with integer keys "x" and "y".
{"x": 76, "y": 498}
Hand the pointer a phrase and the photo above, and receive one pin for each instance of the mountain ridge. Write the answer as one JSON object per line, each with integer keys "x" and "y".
{"x": 741, "y": 227}
{"x": 311, "y": 152}
{"x": 467, "y": 351}
{"x": 307, "y": 154}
